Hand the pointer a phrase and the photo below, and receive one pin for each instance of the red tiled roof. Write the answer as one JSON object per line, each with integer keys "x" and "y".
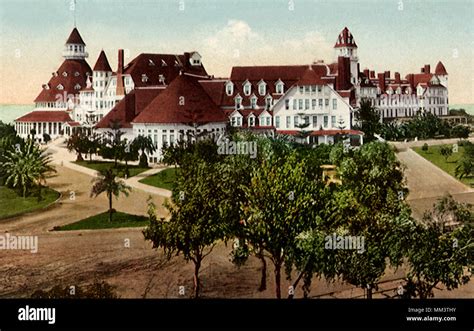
{"x": 45, "y": 116}
{"x": 154, "y": 65}
{"x": 214, "y": 88}
{"x": 75, "y": 38}
{"x": 440, "y": 69}
{"x": 102, "y": 63}
{"x": 421, "y": 78}
{"x": 129, "y": 107}
{"x": 345, "y": 39}
{"x": 311, "y": 77}
{"x": 184, "y": 101}
{"x": 70, "y": 67}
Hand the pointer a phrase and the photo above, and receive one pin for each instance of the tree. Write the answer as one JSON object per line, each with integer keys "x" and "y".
{"x": 368, "y": 120}
{"x": 464, "y": 168}
{"x": 107, "y": 182}
{"x": 113, "y": 145}
{"x": 303, "y": 134}
{"x": 442, "y": 249}
{"x": 78, "y": 142}
{"x": 278, "y": 207}
{"x": 195, "y": 224}
{"x": 144, "y": 144}
{"x": 446, "y": 151}
{"x": 46, "y": 138}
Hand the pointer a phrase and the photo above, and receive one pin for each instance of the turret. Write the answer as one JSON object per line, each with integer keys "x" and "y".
{"x": 75, "y": 48}
{"x": 346, "y": 47}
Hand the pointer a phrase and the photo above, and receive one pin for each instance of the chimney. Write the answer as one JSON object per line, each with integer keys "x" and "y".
{"x": 387, "y": 74}
{"x": 397, "y": 78}
{"x": 411, "y": 80}
{"x": 427, "y": 68}
{"x": 366, "y": 73}
{"x": 120, "y": 86}
{"x": 382, "y": 82}
{"x": 343, "y": 81}
{"x": 372, "y": 74}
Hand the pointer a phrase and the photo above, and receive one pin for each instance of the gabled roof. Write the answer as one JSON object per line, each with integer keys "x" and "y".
{"x": 345, "y": 39}
{"x": 45, "y": 116}
{"x": 440, "y": 69}
{"x": 102, "y": 63}
{"x": 75, "y": 38}
{"x": 129, "y": 107}
{"x": 184, "y": 101}
{"x": 312, "y": 77}
{"x": 68, "y": 81}
{"x": 152, "y": 65}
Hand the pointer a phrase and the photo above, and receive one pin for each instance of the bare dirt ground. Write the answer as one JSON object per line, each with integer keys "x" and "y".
{"x": 77, "y": 257}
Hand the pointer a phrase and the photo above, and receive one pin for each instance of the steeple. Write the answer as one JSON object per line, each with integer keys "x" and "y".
{"x": 102, "y": 63}
{"x": 75, "y": 48}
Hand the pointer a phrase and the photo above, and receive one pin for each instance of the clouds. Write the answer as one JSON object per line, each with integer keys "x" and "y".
{"x": 237, "y": 43}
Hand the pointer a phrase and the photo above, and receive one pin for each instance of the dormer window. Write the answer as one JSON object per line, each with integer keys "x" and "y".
{"x": 399, "y": 90}
{"x": 151, "y": 63}
{"x": 253, "y": 101}
{"x": 77, "y": 87}
{"x": 144, "y": 78}
{"x": 163, "y": 63}
{"x": 268, "y": 101}
{"x": 46, "y": 86}
{"x": 279, "y": 87}
{"x": 161, "y": 79}
{"x": 229, "y": 88}
{"x": 195, "y": 59}
{"x": 60, "y": 87}
{"x": 176, "y": 64}
{"x": 238, "y": 101}
{"x": 251, "y": 120}
{"x": 262, "y": 88}
{"x": 76, "y": 74}
{"x": 64, "y": 74}
{"x": 247, "y": 88}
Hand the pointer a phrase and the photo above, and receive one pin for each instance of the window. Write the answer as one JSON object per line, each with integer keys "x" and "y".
{"x": 60, "y": 87}
{"x": 287, "y": 104}
{"x": 313, "y": 88}
{"x": 320, "y": 102}
{"x": 229, "y": 88}
{"x": 319, "y": 89}
{"x": 277, "y": 122}
{"x": 306, "y": 89}
{"x": 171, "y": 139}
{"x": 279, "y": 88}
{"x": 315, "y": 121}
{"x": 239, "y": 121}
{"x": 247, "y": 88}
{"x": 253, "y": 102}
{"x": 294, "y": 104}
{"x": 268, "y": 102}
{"x": 288, "y": 121}
{"x": 238, "y": 101}
{"x": 144, "y": 79}
{"x": 301, "y": 89}
{"x": 64, "y": 74}
{"x": 262, "y": 88}
{"x": 313, "y": 104}
{"x": 333, "y": 121}
{"x": 326, "y": 119}
{"x": 165, "y": 139}
{"x": 268, "y": 120}
{"x": 300, "y": 104}
{"x": 251, "y": 120}
{"x": 296, "y": 121}
{"x": 334, "y": 103}
{"x": 306, "y": 104}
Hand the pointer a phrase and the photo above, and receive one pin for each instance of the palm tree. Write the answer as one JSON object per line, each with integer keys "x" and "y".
{"x": 465, "y": 168}
{"x": 26, "y": 166}
{"x": 108, "y": 183}
{"x": 144, "y": 144}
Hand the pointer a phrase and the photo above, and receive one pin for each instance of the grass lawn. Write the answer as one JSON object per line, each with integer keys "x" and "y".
{"x": 164, "y": 179}
{"x": 102, "y": 165}
{"x": 12, "y": 203}
{"x": 101, "y": 221}
{"x": 434, "y": 156}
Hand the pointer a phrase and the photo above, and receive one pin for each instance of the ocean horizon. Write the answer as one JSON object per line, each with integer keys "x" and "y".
{"x": 9, "y": 112}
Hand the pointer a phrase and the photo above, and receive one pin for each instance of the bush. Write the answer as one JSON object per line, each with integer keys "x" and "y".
{"x": 425, "y": 147}
{"x": 46, "y": 138}
{"x": 460, "y": 131}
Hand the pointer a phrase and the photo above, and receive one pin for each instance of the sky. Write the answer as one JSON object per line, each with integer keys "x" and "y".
{"x": 395, "y": 35}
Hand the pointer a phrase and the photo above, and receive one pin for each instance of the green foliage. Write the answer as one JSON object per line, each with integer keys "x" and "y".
{"x": 368, "y": 120}
{"x": 108, "y": 183}
{"x": 78, "y": 142}
{"x": 145, "y": 145}
{"x": 46, "y": 137}
{"x": 425, "y": 147}
{"x": 460, "y": 131}
{"x": 442, "y": 249}
{"x": 96, "y": 290}
{"x": 446, "y": 152}
{"x": 26, "y": 167}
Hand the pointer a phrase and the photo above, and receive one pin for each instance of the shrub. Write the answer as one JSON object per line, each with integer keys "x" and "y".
{"x": 425, "y": 147}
